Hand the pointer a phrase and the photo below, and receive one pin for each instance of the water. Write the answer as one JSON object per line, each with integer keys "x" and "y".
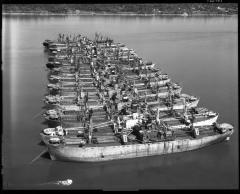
{"x": 198, "y": 52}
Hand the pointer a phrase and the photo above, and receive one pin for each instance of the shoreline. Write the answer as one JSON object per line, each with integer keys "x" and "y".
{"x": 115, "y": 14}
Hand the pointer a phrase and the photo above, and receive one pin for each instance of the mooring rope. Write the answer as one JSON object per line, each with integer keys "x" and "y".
{"x": 38, "y": 114}
{"x": 38, "y": 156}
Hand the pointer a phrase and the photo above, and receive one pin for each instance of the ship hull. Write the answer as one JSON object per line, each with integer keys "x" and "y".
{"x": 98, "y": 154}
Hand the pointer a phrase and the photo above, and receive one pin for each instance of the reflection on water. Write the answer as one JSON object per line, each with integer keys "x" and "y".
{"x": 198, "y": 52}
{"x": 134, "y": 171}
{"x": 122, "y": 17}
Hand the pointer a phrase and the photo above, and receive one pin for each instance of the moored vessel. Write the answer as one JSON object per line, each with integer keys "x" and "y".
{"x": 60, "y": 150}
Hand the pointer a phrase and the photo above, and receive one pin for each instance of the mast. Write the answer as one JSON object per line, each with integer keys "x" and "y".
{"x": 158, "y": 119}
{"x": 146, "y": 101}
{"x": 90, "y": 131}
{"x": 184, "y": 106}
{"x": 170, "y": 96}
{"x": 117, "y": 52}
{"x": 60, "y": 118}
{"x": 128, "y": 57}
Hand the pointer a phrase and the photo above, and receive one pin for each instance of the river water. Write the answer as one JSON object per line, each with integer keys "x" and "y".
{"x": 200, "y": 53}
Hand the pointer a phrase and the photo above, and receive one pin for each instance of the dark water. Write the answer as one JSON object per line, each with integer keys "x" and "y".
{"x": 200, "y": 53}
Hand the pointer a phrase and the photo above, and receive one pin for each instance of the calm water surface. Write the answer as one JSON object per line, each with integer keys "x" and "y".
{"x": 199, "y": 53}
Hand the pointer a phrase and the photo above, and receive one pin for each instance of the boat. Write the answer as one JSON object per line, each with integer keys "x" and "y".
{"x": 47, "y": 42}
{"x": 71, "y": 86}
{"x": 60, "y": 70}
{"x": 57, "y": 99}
{"x": 163, "y": 104}
{"x": 184, "y": 101}
{"x": 64, "y": 78}
{"x": 57, "y": 46}
{"x": 185, "y": 140}
{"x": 197, "y": 118}
{"x": 57, "y": 64}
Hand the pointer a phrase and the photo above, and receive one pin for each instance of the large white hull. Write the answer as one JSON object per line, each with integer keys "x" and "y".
{"x": 97, "y": 154}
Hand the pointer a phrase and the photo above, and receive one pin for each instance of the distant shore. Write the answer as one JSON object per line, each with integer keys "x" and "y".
{"x": 113, "y": 14}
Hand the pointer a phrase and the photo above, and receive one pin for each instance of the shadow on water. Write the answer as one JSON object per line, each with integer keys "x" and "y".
{"x": 46, "y": 51}
{"x": 53, "y": 92}
{"x": 41, "y": 143}
{"x": 45, "y": 122}
{"x": 45, "y": 155}
{"x": 48, "y": 106}
{"x": 52, "y": 81}
{"x": 53, "y": 124}
{"x": 50, "y": 124}
{"x": 46, "y": 94}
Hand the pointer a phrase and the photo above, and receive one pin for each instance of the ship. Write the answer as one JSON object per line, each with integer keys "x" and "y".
{"x": 196, "y": 117}
{"x": 77, "y": 149}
